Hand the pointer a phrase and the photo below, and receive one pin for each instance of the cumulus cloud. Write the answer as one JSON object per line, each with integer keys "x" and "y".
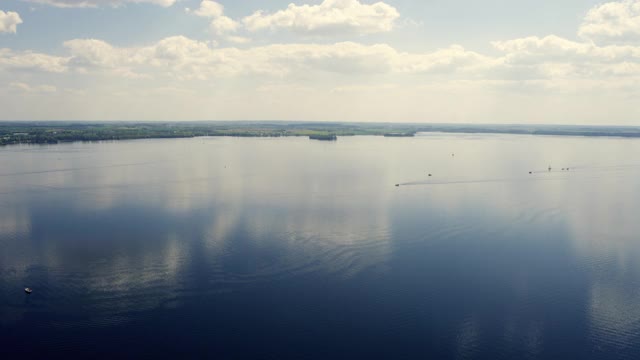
{"x": 613, "y": 22}
{"x": 210, "y": 9}
{"x": 328, "y": 18}
{"x": 220, "y": 25}
{"x": 95, "y": 53}
{"x": 180, "y": 57}
{"x": 92, "y": 55}
{"x": 99, "y": 3}
{"x": 526, "y": 59}
{"x": 452, "y": 59}
{"x": 31, "y": 61}
{"x": 610, "y": 34}
{"x": 223, "y": 24}
{"x": 32, "y": 89}
{"x": 556, "y": 49}
{"x": 553, "y": 56}
{"x": 9, "y": 21}
{"x": 602, "y": 65}
{"x": 185, "y": 58}
{"x": 238, "y": 39}
{"x": 529, "y": 59}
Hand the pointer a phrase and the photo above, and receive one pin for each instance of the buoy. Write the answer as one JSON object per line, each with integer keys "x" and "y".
{"x": 429, "y": 174}
{"x": 530, "y": 172}
{"x": 397, "y": 185}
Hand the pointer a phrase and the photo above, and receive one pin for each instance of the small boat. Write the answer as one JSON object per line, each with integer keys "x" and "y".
{"x": 429, "y": 174}
{"x": 530, "y": 172}
{"x": 397, "y": 185}
{"x": 28, "y": 290}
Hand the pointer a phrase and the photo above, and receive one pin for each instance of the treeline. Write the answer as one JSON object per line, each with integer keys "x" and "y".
{"x": 53, "y": 136}
{"x": 323, "y": 137}
{"x": 55, "y": 132}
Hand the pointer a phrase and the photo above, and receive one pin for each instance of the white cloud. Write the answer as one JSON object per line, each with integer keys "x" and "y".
{"x": 550, "y": 44}
{"x": 553, "y": 57}
{"x": 526, "y": 59}
{"x": 623, "y": 69}
{"x": 328, "y": 18}
{"x": 610, "y": 31}
{"x": 210, "y": 9}
{"x": 331, "y": 17}
{"x": 190, "y": 59}
{"x": 554, "y": 48}
{"x": 220, "y": 25}
{"x": 452, "y": 59}
{"x": 183, "y": 58}
{"x": 9, "y": 21}
{"x": 613, "y": 22}
{"x": 238, "y": 39}
{"x": 223, "y": 24}
{"x": 95, "y": 53}
{"x": 91, "y": 55}
{"x": 530, "y": 78}
{"x": 30, "y": 61}
{"x": 33, "y": 89}
{"x": 99, "y": 3}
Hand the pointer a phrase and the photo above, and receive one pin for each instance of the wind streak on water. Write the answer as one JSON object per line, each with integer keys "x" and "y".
{"x": 536, "y": 176}
{"x": 49, "y": 171}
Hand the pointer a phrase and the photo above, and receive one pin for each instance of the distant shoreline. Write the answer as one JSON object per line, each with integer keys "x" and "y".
{"x": 12, "y": 133}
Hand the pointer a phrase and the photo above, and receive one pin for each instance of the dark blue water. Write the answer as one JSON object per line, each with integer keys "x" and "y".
{"x": 291, "y": 248}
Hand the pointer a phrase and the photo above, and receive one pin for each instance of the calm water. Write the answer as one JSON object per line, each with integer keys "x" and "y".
{"x": 291, "y": 248}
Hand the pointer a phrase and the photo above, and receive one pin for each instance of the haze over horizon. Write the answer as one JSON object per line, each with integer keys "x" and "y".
{"x": 495, "y": 61}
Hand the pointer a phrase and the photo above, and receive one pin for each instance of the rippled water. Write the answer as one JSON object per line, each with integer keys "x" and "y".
{"x": 291, "y": 248}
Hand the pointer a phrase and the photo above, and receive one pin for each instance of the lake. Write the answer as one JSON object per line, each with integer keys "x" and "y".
{"x": 272, "y": 248}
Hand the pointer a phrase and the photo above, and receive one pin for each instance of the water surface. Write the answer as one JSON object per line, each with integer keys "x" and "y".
{"x": 291, "y": 248}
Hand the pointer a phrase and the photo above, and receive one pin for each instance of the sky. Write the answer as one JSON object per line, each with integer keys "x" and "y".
{"x": 427, "y": 61}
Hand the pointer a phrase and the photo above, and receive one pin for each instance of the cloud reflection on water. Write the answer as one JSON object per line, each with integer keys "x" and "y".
{"x": 211, "y": 215}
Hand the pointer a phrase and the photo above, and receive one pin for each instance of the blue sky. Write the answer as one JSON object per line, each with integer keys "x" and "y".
{"x": 495, "y": 61}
